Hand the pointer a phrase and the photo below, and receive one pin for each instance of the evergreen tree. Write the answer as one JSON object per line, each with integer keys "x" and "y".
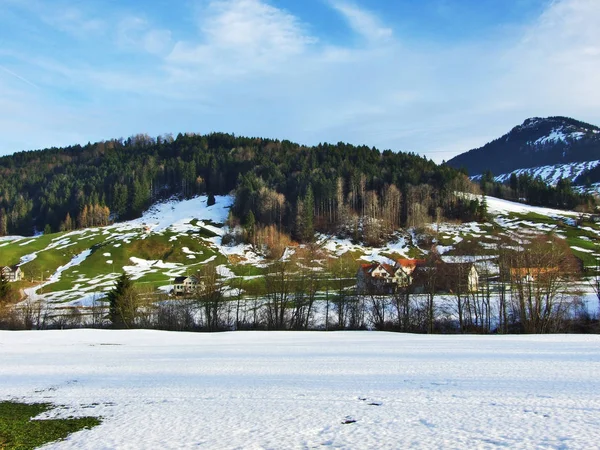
{"x": 3, "y": 223}
{"x": 123, "y": 303}
{"x": 211, "y": 199}
{"x": 308, "y": 229}
{"x": 250, "y": 225}
{"x": 4, "y": 288}
{"x": 482, "y": 210}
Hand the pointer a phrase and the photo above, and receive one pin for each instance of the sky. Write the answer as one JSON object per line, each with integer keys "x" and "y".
{"x": 434, "y": 77}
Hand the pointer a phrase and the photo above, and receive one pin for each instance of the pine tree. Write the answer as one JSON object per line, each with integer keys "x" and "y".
{"x": 250, "y": 225}
{"x": 482, "y": 210}
{"x": 123, "y": 303}
{"x": 3, "y": 223}
{"x": 308, "y": 229}
{"x": 211, "y": 199}
{"x": 4, "y": 288}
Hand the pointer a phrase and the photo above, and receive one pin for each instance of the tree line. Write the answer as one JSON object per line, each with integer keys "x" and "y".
{"x": 298, "y": 188}
{"x": 535, "y": 191}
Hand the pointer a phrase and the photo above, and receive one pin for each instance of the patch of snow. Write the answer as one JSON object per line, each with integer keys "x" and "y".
{"x": 496, "y": 205}
{"x": 142, "y": 267}
{"x": 582, "y": 250}
{"x": 27, "y": 258}
{"x": 177, "y": 215}
{"x": 225, "y": 271}
{"x": 550, "y": 174}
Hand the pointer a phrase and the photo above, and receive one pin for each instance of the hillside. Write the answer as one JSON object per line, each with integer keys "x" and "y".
{"x": 574, "y": 172}
{"x": 62, "y": 189}
{"x": 535, "y": 143}
{"x": 176, "y": 238}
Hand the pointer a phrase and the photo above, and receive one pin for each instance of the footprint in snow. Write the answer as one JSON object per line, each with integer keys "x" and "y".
{"x": 370, "y": 402}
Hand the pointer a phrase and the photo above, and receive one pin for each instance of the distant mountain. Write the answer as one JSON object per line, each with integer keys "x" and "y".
{"x": 537, "y": 142}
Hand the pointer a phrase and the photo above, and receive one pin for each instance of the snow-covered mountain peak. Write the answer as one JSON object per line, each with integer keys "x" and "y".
{"x": 536, "y": 142}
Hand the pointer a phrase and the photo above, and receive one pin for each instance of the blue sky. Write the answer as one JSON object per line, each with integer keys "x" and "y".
{"x": 436, "y": 77}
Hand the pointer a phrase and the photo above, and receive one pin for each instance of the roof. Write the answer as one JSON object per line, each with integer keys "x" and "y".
{"x": 179, "y": 280}
{"x": 406, "y": 262}
{"x": 13, "y": 268}
{"x": 369, "y": 268}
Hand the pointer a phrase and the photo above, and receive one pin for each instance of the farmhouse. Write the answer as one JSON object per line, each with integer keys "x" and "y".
{"x": 386, "y": 278}
{"x": 12, "y": 273}
{"x": 185, "y": 285}
{"x": 376, "y": 277}
{"x": 405, "y": 270}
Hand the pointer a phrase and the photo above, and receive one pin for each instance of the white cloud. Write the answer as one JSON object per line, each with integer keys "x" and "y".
{"x": 362, "y": 21}
{"x": 239, "y": 36}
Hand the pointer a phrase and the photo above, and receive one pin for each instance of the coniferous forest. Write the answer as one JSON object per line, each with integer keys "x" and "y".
{"x": 296, "y": 188}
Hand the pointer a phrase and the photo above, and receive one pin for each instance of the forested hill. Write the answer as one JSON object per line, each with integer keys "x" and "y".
{"x": 277, "y": 181}
{"x": 537, "y": 142}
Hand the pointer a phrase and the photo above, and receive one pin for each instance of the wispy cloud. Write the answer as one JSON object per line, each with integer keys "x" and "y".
{"x": 16, "y": 75}
{"x": 240, "y": 36}
{"x": 362, "y": 21}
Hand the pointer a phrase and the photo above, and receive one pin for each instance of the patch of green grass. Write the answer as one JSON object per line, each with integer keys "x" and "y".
{"x": 247, "y": 270}
{"x": 12, "y": 253}
{"x": 415, "y": 253}
{"x": 18, "y": 431}
{"x": 534, "y": 217}
{"x": 153, "y": 247}
{"x": 574, "y": 239}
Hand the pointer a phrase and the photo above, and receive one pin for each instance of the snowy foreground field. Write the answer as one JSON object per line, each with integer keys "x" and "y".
{"x": 159, "y": 390}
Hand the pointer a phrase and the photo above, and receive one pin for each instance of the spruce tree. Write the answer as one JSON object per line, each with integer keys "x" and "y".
{"x": 249, "y": 225}
{"x": 123, "y": 303}
{"x": 211, "y": 199}
{"x": 4, "y": 288}
{"x": 308, "y": 229}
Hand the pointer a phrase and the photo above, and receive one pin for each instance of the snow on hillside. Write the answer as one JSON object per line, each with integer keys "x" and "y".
{"x": 499, "y": 206}
{"x": 177, "y": 215}
{"x": 561, "y": 134}
{"x": 549, "y": 174}
{"x": 307, "y": 390}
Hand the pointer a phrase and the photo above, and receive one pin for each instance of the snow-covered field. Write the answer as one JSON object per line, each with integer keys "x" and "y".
{"x": 297, "y": 390}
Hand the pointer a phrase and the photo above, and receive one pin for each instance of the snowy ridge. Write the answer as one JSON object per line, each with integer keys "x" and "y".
{"x": 549, "y": 174}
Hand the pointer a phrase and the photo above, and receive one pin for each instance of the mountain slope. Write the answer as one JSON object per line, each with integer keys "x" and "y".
{"x": 535, "y": 143}
{"x": 550, "y": 174}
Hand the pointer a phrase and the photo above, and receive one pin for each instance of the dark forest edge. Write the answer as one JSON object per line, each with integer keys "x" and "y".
{"x": 298, "y": 189}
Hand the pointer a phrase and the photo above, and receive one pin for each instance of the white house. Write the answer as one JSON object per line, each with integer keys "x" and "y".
{"x": 12, "y": 273}
{"x": 185, "y": 285}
